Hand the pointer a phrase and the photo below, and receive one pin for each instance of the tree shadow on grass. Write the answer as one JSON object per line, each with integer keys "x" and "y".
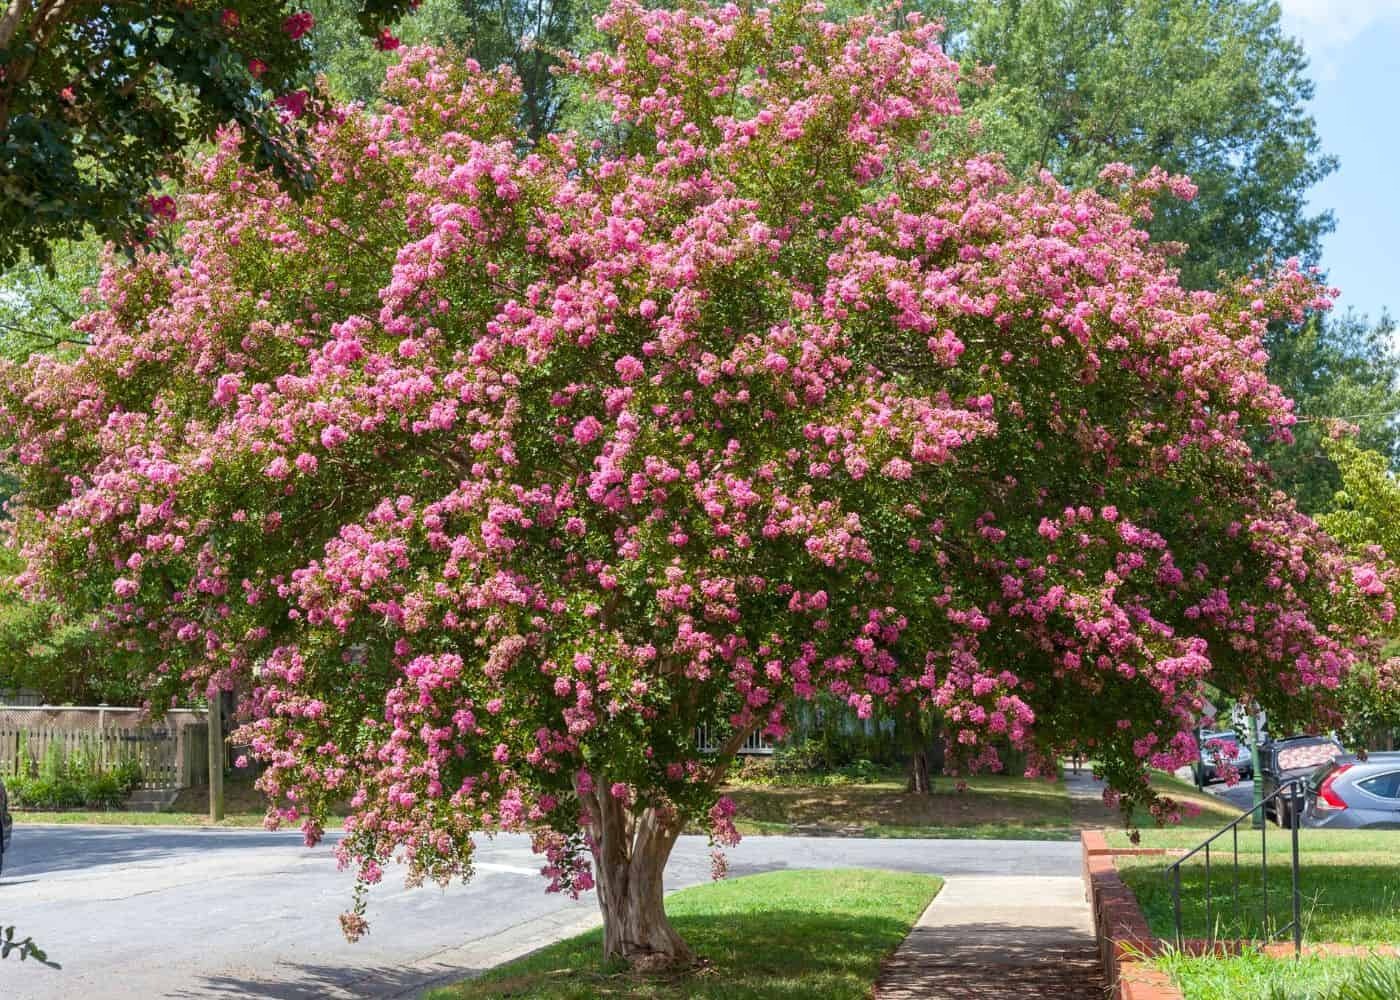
{"x": 773, "y": 954}
{"x": 770, "y": 953}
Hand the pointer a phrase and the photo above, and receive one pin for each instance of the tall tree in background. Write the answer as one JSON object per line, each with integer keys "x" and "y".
{"x": 1214, "y": 89}
{"x": 1336, "y": 366}
{"x": 526, "y": 35}
{"x": 1365, "y": 515}
{"x": 38, "y": 303}
{"x": 97, "y": 101}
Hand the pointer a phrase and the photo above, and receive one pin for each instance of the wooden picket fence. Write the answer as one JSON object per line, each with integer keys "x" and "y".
{"x": 173, "y": 752}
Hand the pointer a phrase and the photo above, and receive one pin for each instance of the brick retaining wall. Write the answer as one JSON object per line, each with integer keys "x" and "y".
{"x": 1120, "y": 928}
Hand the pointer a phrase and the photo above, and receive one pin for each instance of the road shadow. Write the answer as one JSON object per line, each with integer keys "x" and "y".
{"x": 38, "y": 850}
{"x": 327, "y": 982}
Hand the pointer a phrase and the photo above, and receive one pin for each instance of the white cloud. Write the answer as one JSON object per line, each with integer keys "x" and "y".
{"x": 1325, "y": 26}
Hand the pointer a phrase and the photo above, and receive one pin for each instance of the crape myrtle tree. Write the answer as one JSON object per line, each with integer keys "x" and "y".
{"x": 494, "y": 467}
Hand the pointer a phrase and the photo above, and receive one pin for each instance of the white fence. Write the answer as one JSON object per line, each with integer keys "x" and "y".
{"x": 173, "y": 751}
{"x": 710, "y": 742}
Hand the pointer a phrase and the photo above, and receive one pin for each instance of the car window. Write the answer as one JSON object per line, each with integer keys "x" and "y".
{"x": 1308, "y": 755}
{"x": 1387, "y": 786}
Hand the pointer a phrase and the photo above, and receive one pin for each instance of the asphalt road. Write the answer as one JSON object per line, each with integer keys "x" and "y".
{"x": 1241, "y": 796}
{"x": 150, "y": 912}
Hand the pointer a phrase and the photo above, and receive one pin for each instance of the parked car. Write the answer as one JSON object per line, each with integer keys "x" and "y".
{"x": 7, "y": 823}
{"x": 1291, "y": 759}
{"x": 1351, "y": 793}
{"x": 1220, "y": 747}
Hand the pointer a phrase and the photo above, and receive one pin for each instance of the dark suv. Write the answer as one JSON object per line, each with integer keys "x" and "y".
{"x": 6, "y": 824}
{"x": 1282, "y": 761}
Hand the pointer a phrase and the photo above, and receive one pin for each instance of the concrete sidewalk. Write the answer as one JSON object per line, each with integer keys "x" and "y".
{"x": 998, "y": 938}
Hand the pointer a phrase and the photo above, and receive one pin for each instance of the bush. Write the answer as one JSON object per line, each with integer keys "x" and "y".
{"x": 860, "y": 772}
{"x": 74, "y": 781}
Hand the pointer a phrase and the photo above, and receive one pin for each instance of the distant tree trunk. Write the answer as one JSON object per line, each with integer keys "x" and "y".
{"x": 919, "y": 783}
{"x": 630, "y": 852}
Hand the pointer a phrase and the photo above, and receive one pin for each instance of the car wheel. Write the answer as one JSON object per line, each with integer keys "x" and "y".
{"x": 1285, "y": 816}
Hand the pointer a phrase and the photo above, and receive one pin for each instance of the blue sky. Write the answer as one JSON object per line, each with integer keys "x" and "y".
{"x": 1354, "y": 46}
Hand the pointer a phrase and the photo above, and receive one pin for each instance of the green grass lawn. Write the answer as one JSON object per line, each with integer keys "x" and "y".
{"x": 992, "y": 806}
{"x": 778, "y": 936}
{"x": 1253, "y": 976}
{"x": 1208, "y": 812}
{"x": 1349, "y": 881}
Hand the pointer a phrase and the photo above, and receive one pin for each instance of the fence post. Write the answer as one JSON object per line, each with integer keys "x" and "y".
{"x": 216, "y": 758}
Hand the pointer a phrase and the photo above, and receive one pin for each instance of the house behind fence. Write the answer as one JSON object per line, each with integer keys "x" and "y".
{"x": 173, "y": 751}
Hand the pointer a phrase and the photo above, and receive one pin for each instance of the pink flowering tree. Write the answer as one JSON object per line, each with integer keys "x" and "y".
{"x": 491, "y": 469}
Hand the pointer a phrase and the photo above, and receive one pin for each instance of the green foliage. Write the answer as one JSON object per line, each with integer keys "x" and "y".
{"x": 807, "y": 761}
{"x": 46, "y": 648}
{"x": 525, "y": 36}
{"x": 1366, "y": 509}
{"x": 75, "y": 780}
{"x": 1210, "y": 88}
{"x": 1338, "y": 367}
{"x": 98, "y": 101}
{"x": 1311, "y": 977}
{"x": 38, "y": 303}
{"x": 24, "y": 948}
{"x": 1365, "y": 514}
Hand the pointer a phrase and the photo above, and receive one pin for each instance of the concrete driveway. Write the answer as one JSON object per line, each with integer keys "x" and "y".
{"x": 151, "y": 912}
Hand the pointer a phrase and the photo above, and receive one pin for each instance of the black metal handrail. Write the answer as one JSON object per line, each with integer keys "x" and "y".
{"x": 1291, "y": 793}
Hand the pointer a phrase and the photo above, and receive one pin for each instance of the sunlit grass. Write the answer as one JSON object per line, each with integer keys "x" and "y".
{"x": 777, "y": 936}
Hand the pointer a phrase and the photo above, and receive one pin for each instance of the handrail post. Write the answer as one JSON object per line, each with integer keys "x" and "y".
{"x": 1264, "y": 873}
{"x": 1176, "y": 904}
{"x": 1295, "y": 815}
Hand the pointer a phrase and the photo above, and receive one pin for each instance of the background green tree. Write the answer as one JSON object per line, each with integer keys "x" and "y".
{"x": 1337, "y": 366}
{"x": 38, "y": 303}
{"x": 527, "y": 36}
{"x": 1217, "y": 90}
{"x": 97, "y": 101}
{"x": 1214, "y": 89}
{"x": 1366, "y": 514}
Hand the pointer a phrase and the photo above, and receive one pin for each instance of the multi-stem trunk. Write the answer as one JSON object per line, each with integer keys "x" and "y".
{"x": 631, "y": 847}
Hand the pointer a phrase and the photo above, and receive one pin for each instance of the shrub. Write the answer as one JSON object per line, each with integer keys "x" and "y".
{"x": 75, "y": 780}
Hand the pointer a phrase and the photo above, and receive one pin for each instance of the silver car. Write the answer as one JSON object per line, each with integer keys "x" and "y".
{"x": 1351, "y": 793}
{"x": 1220, "y": 747}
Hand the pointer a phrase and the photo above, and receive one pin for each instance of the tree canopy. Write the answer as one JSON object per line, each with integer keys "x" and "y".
{"x": 98, "y": 101}
{"x": 495, "y": 466}
{"x": 1213, "y": 89}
